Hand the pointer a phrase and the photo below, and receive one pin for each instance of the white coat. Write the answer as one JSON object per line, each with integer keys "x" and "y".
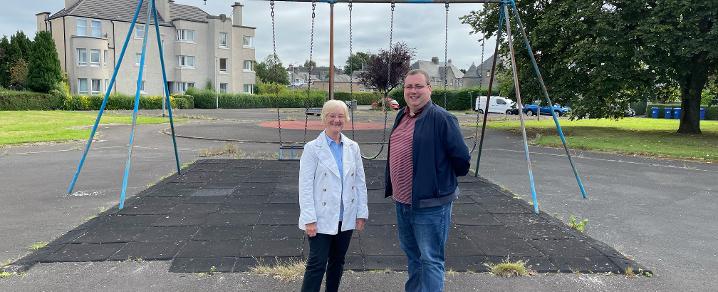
{"x": 320, "y": 186}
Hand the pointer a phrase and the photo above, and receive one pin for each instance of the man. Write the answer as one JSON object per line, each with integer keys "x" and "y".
{"x": 426, "y": 154}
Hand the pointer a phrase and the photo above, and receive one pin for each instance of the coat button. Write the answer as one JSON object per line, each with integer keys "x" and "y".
{"x": 325, "y": 174}
{"x": 352, "y": 174}
{"x": 325, "y": 190}
{"x": 352, "y": 200}
{"x": 324, "y": 203}
{"x": 352, "y": 187}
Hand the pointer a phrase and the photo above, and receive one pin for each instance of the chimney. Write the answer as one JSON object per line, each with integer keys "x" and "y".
{"x": 435, "y": 60}
{"x": 163, "y": 8}
{"x": 70, "y": 3}
{"x": 42, "y": 21}
{"x": 237, "y": 13}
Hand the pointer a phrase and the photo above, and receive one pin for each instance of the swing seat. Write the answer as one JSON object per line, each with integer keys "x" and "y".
{"x": 290, "y": 152}
{"x": 315, "y": 111}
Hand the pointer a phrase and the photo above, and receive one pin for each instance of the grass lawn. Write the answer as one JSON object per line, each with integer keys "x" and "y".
{"x": 651, "y": 137}
{"x": 17, "y": 127}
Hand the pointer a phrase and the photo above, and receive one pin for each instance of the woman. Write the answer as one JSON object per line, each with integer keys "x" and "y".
{"x": 332, "y": 197}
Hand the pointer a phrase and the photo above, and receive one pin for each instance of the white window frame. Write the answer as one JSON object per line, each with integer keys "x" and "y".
{"x": 250, "y": 87}
{"x": 93, "y": 89}
{"x": 138, "y": 58}
{"x": 226, "y": 65}
{"x": 185, "y": 35}
{"x": 248, "y": 66}
{"x": 81, "y": 57}
{"x": 94, "y": 53}
{"x": 105, "y": 56}
{"x": 183, "y": 86}
{"x": 95, "y": 31}
{"x": 184, "y": 61}
{"x": 142, "y": 87}
{"x": 79, "y": 86}
{"x": 223, "y": 87}
{"x": 107, "y": 84}
{"x": 223, "y": 40}
{"x": 248, "y": 41}
{"x": 139, "y": 31}
{"x": 81, "y": 23}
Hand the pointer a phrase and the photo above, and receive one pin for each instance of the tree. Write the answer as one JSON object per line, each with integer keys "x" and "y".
{"x": 582, "y": 60}
{"x": 4, "y": 62}
{"x": 18, "y": 74}
{"x": 271, "y": 70}
{"x": 44, "y": 65}
{"x": 17, "y": 56}
{"x": 602, "y": 55}
{"x": 356, "y": 62}
{"x": 386, "y": 70}
{"x": 677, "y": 40}
{"x": 309, "y": 64}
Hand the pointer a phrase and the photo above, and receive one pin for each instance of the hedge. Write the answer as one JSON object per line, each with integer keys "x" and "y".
{"x": 291, "y": 99}
{"x": 26, "y": 100}
{"x": 363, "y": 98}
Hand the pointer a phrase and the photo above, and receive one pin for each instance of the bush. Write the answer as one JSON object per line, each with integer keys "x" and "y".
{"x": 11, "y": 100}
{"x": 363, "y": 98}
{"x": 712, "y": 113}
{"x": 290, "y": 99}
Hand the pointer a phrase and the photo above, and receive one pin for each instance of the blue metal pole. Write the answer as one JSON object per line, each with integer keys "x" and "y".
{"x": 104, "y": 101}
{"x": 167, "y": 90}
{"x": 505, "y": 10}
{"x": 136, "y": 108}
{"x": 548, "y": 98}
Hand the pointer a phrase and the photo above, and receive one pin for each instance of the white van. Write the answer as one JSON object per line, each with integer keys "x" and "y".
{"x": 498, "y": 104}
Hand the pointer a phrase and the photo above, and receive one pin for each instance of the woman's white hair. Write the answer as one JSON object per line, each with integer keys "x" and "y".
{"x": 332, "y": 104}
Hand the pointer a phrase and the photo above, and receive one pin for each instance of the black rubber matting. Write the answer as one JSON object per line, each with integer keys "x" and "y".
{"x": 227, "y": 215}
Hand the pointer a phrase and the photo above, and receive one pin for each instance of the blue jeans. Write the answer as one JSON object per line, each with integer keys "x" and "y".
{"x": 422, "y": 234}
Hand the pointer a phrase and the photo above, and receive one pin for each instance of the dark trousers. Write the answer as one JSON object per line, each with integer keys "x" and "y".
{"x": 326, "y": 253}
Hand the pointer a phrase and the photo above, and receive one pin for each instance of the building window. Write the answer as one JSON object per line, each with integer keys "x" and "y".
{"x": 223, "y": 87}
{"x": 95, "y": 89}
{"x": 139, "y": 31}
{"x": 249, "y": 88}
{"x": 138, "y": 58}
{"x": 223, "y": 65}
{"x": 107, "y": 84}
{"x": 223, "y": 40}
{"x": 82, "y": 26}
{"x": 142, "y": 87}
{"x": 106, "y": 58}
{"x": 183, "y": 86}
{"x": 95, "y": 57}
{"x": 82, "y": 86}
{"x": 81, "y": 57}
{"x": 185, "y": 35}
{"x": 96, "y": 28}
{"x": 248, "y": 65}
{"x": 186, "y": 61}
{"x": 248, "y": 42}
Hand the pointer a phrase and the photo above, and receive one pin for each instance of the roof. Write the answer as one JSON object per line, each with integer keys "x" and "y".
{"x": 123, "y": 10}
{"x": 436, "y": 70}
{"x": 473, "y": 71}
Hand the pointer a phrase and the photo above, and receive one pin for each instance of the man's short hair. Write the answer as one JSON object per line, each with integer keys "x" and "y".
{"x": 333, "y": 103}
{"x": 419, "y": 71}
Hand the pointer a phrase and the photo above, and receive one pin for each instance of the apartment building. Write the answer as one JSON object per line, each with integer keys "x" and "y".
{"x": 198, "y": 48}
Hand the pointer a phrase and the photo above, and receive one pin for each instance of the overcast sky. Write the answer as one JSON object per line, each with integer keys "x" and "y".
{"x": 420, "y": 26}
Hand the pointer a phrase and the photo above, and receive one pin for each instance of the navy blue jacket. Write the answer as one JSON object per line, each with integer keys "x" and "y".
{"x": 439, "y": 156}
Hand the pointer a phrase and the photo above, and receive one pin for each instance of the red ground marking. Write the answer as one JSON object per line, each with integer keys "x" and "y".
{"x": 317, "y": 125}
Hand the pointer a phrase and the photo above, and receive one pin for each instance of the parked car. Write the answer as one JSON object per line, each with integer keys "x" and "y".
{"x": 533, "y": 109}
{"x": 498, "y": 104}
{"x": 390, "y": 102}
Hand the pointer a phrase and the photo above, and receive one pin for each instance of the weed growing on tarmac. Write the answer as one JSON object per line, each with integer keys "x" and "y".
{"x": 508, "y": 268}
{"x": 577, "y": 223}
{"x": 38, "y": 245}
{"x": 287, "y": 271}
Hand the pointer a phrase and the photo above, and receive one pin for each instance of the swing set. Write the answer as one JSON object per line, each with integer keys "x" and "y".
{"x": 505, "y": 6}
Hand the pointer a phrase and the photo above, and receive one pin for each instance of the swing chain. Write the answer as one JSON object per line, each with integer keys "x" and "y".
{"x": 351, "y": 68}
{"x": 274, "y": 52}
{"x": 274, "y": 39}
{"x": 309, "y": 82}
{"x": 446, "y": 50}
